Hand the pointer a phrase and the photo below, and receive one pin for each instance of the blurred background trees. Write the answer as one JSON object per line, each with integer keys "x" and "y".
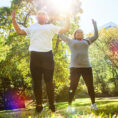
{"x": 15, "y": 57}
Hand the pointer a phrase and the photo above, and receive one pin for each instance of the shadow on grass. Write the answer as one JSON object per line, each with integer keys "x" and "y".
{"x": 108, "y": 109}
{"x": 63, "y": 105}
{"x": 80, "y": 104}
{"x": 75, "y": 114}
{"x": 103, "y": 112}
{"x": 105, "y": 108}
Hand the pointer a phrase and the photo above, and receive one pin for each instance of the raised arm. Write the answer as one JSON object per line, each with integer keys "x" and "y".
{"x": 95, "y": 36}
{"x": 16, "y": 27}
{"x": 67, "y": 26}
{"x": 65, "y": 39}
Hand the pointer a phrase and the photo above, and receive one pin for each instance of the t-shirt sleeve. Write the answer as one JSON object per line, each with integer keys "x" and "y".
{"x": 94, "y": 37}
{"x": 88, "y": 41}
{"x": 65, "y": 39}
{"x": 55, "y": 29}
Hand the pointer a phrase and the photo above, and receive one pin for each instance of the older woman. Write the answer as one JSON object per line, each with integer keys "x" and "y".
{"x": 80, "y": 64}
{"x": 41, "y": 62}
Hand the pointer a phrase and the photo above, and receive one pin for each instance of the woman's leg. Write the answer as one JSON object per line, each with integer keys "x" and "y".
{"x": 48, "y": 70}
{"x": 74, "y": 79}
{"x": 88, "y": 78}
{"x": 36, "y": 73}
{"x": 48, "y": 77}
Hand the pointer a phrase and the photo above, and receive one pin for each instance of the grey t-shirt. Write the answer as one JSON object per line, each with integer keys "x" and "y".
{"x": 79, "y": 53}
{"x": 79, "y": 50}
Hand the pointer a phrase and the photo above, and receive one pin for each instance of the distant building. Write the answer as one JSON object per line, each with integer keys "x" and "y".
{"x": 108, "y": 25}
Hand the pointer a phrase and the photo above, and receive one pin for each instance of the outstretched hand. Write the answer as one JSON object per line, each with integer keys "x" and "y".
{"x": 13, "y": 14}
{"x": 80, "y": 11}
{"x": 94, "y": 22}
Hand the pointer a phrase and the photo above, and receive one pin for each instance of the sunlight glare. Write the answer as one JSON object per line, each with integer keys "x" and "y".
{"x": 63, "y": 6}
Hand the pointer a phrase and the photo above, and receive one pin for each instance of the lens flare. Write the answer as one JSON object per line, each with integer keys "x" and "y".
{"x": 62, "y": 5}
{"x": 113, "y": 46}
{"x": 57, "y": 7}
{"x": 13, "y": 100}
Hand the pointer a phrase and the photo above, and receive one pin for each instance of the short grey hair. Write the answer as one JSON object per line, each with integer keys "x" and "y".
{"x": 42, "y": 12}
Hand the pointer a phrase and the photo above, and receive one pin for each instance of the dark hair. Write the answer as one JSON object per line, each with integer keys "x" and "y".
{"x": 74, "y": 35}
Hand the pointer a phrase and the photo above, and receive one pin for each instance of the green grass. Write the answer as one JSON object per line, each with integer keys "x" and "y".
{"x": 107, "y": 108}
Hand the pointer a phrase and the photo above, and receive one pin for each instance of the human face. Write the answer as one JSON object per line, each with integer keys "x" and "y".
{"x": 79, "y": 34}
{"x": 42, "y": 18}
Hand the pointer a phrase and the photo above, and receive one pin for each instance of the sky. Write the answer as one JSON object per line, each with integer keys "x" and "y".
{"x": 103, "y": 11}
{"x": 5, "y": 3}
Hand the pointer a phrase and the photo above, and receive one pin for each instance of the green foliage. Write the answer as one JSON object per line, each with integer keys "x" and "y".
{"x": 15, "y": 57}
{"x": 14, "y": 54}
{"x": 104, "y": 64}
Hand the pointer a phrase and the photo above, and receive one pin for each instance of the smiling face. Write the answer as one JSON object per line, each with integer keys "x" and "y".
{"x": 78, "y": 35}
{"x": 42, "y": 18}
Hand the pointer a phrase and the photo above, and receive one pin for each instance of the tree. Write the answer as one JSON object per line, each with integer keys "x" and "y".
{"x": 104, "y": 62}
{"x": 14, "y": 54}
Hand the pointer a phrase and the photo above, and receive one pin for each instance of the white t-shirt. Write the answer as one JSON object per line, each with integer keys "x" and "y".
{"x": 41, "y": 36}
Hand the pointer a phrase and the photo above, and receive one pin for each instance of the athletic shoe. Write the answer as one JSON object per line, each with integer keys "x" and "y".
{"x": 94, "y": 106}
{"x": 52, "y": 108}
{"x": 39, "y": 110}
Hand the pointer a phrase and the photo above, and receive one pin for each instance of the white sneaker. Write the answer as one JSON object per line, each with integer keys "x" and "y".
{"x": 70, "y": 109}
{"x": 94, "y": 106}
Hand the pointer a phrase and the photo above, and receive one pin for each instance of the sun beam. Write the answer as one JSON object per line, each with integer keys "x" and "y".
{"x": 63, "y": 6}
{"x": 59, "y": 6}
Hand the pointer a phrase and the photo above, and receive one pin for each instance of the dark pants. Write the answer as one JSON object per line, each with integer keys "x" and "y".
{"x": 42, "y": 66}
{"x": 87, "y": 75}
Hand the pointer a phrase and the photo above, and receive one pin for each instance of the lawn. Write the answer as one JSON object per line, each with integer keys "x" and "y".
{"x": 107, "y": 108}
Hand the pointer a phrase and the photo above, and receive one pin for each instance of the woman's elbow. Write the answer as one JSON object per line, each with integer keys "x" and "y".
{"x": 96, "y": 35}
{"x": 64, "y": 30}
{"x": 21, "y": 32}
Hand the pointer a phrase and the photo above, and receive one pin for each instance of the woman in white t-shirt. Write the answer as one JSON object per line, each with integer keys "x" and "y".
{"x": 41, "y": 59}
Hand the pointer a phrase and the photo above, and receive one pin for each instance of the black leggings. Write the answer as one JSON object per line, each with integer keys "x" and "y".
{"x": 87, "y": 75}
{"x": 42, "y": 66}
